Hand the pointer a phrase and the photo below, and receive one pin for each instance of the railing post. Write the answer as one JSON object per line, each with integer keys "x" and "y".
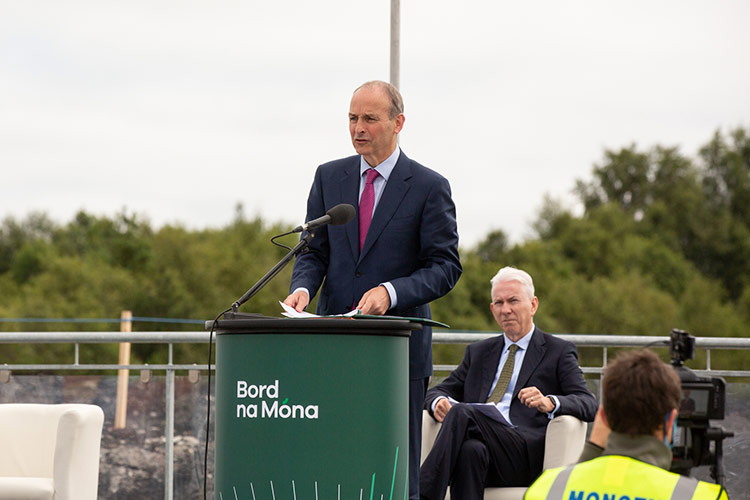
{"x": 121, "y": 405}
{"x": 169, "y": 432}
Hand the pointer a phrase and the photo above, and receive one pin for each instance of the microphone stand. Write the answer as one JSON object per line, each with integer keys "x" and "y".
{"x": 299, "y": 247}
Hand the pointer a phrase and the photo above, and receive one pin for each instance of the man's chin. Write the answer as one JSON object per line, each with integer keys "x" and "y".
{"x": 513, "y": 331}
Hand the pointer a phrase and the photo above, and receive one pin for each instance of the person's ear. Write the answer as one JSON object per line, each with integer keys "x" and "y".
{"x": 398, "y": 123}
{"x": 600, "y": 429}
{"x": 603, "y": 415}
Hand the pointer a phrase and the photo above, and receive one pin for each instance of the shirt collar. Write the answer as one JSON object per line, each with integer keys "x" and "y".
{"x": 523, "y": 343}
{"x": 385, "y": 168}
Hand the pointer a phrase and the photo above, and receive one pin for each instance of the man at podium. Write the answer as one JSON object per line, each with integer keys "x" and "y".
{"x": 399, "y": 255}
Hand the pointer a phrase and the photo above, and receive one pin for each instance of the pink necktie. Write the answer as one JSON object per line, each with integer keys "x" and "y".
{"x": 366, "y": 204}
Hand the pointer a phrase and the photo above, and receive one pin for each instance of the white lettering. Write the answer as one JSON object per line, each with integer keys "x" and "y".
{"x": 241, "y": 389}
{"x": 270, "y": 411}
{"x": 285, "y": 411}
{"x": 247, "y": 411}
{"x": 245, "y": 390}
{"x": 273, "y": 390}
{"x": 298, "y": 411}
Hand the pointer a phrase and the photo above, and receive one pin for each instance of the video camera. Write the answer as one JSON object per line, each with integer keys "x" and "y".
{"x": 702, "y": 400}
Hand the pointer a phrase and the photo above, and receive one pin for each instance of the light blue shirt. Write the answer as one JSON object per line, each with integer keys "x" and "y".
{"x": 384, "y": 169}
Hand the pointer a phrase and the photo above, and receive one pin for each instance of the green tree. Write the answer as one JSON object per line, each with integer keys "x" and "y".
{"x": 727, "y": 173}
{"x": 663, "y": 242}
{"x": 14, "y": 235}
{"x": 726, "y": 182}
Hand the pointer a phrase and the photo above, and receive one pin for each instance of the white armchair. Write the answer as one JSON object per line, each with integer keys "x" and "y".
{"x": 564, "y": 442}
{"x": 49, "y": 451}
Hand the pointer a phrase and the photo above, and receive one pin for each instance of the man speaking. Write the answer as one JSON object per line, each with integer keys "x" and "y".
{"x": 401, "y": 252}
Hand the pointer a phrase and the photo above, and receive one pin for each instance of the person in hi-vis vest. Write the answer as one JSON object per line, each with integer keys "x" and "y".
{"x": 629, "y": 451}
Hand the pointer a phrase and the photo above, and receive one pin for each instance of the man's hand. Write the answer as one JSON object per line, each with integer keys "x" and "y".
{"x": 533, "y": 398}
{"x": 442, "y": 407}
{"x": 375, "y": 301}
{"x": 600, "y": 430}
{"x": 298, "y": 300}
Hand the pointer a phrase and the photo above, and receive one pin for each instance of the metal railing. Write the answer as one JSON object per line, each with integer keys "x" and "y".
{"x": 179, "y": 337}
{"x": 708, "y": 344}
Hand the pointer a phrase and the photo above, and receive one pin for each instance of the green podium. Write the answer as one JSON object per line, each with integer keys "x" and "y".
{"x": 312, "y": 409}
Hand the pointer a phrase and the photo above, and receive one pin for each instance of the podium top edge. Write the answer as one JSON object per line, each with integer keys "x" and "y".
{"x": 314, "y": 326}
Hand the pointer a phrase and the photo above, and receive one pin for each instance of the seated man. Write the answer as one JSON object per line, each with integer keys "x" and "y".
{"x": 517, "y": 381}
{"x": 640, "y": 394}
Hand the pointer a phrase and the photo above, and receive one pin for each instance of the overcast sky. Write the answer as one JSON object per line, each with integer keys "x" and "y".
{"x": 178, "y": 110}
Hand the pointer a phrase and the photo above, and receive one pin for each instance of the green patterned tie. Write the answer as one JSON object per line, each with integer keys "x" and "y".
{"x": 505, "y": 375}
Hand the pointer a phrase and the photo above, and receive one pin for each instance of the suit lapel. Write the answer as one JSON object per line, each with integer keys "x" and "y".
{"x": 531, "y": 360}
{"x": 349, "y": 194}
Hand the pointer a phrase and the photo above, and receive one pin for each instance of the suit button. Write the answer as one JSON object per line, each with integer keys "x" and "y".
{"x": 358, "y": 274}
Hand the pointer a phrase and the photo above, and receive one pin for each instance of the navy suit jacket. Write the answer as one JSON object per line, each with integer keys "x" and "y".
{"x": 550, "y": 364}
{"x": 412, "y": 243}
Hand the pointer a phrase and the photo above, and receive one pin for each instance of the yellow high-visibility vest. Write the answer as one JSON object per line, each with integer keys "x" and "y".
{"x": 614, "y": 477}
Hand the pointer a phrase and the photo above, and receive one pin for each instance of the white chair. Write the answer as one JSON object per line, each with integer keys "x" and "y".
{"x": 564, "y": 442}
{"x": 49, "y": 451}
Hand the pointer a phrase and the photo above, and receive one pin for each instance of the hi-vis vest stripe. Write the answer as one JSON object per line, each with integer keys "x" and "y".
{"x": 619, "y": 478}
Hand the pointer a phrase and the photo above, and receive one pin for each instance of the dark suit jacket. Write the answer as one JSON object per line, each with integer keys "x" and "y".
{"x": 550, "y": 364}
{"x": 412, "y": 242}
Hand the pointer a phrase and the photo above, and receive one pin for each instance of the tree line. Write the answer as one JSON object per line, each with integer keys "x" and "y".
{"x": 662, "y": 242}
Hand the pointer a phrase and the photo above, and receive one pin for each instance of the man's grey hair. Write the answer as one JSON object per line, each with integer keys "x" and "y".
{"x": 512, "y": 274}
{"x": 397, "y": 102}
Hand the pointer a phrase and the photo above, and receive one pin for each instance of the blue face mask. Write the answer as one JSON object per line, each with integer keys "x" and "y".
{"x": 669, "y": 443}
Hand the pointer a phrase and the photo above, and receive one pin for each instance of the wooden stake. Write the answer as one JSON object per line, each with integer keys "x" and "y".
{"x": 121, "y": 407}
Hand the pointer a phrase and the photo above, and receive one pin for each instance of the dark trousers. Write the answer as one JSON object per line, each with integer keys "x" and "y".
{"x": 417, "y": 389}
{"x": 470, "y": 452}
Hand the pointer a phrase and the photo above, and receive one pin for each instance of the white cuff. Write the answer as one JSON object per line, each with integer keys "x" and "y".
{"x": 391, "y": 293}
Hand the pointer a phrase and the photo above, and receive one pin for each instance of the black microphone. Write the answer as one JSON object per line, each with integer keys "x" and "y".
{"x": 336, "y": 216}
